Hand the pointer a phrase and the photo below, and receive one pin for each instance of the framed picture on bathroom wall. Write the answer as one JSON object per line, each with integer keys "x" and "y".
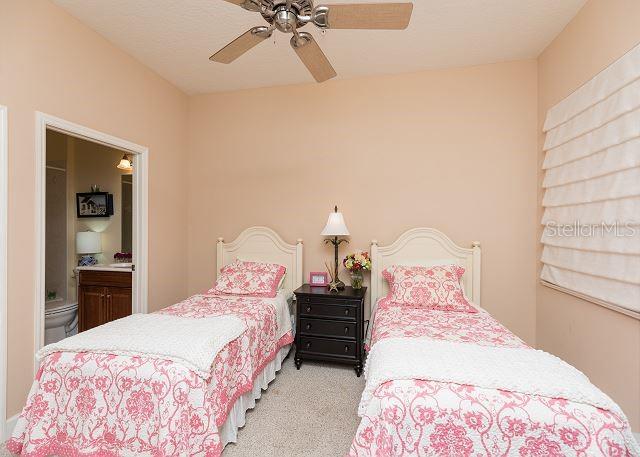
{"x": 94, "y": 204}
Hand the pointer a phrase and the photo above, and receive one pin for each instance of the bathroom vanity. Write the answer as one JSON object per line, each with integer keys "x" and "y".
{"x": 104, "y": 295}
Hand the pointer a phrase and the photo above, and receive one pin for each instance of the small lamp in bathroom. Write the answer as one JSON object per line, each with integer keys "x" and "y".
{"x": 87, "y": 244}
{"x": 125, "y": 163}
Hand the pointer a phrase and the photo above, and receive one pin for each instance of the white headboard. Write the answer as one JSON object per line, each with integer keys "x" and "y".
{"x": 425, "y": 246}
{"x": 264, "y": 245}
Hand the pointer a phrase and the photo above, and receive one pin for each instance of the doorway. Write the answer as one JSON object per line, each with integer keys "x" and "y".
{"x": 80, "y": 226}
{"x": 4, "y": 192}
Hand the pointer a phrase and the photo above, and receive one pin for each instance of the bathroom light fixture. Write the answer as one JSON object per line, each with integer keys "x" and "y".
{"x": 335, "y": 227}
{"x": 88, "y": 243}
{"x": 125, "y": 163}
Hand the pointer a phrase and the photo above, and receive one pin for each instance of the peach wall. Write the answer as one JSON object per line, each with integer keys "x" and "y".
{"x": 452, "y": 149}
{"x": 602, "y": 343}
{"x": 52, "y": 63}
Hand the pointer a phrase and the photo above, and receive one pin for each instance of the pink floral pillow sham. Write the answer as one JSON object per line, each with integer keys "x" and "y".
{"x": 256, "y": 279}
{"x": 436, "y": 287}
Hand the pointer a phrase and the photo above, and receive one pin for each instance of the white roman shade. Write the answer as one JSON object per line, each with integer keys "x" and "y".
{"x": 591, "y": 187}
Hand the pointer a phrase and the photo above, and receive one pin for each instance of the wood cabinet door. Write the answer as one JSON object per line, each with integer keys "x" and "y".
{"x": 92, "y": 307}
{"x": 119, "y": 300}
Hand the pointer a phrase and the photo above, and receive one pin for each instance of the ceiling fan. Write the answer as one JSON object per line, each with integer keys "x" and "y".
{"x": 288, "y": 16}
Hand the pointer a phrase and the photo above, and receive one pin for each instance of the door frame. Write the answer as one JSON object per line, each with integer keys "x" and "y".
{"x": 140, "y": 239}
{"x": 4, "y": 204}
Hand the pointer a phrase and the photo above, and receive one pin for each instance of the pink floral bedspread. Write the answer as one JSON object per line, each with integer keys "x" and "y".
{"x": 107, "y": 405}
{"x": 428, "y": 418}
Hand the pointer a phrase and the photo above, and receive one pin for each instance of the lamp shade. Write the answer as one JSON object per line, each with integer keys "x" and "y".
{"x": 88, "y": 243}
{"x": 125, "y": 163}
{"x": 335, "y": 225}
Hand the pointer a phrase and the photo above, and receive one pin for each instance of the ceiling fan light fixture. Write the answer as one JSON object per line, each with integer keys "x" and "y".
{"x": 285, "y": 20}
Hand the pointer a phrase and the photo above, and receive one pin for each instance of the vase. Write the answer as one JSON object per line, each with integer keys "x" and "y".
{"x": 357, "y": 278}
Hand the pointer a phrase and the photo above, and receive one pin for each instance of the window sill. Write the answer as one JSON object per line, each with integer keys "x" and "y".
{"x": 612, "y": 307}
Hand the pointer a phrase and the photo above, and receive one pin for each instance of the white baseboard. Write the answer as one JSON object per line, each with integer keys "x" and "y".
{"x": 9, "y": 426}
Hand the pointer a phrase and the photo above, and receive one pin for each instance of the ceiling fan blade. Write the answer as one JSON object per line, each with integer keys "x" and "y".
{"x": 389, "y": 16}
{"x": 312, "y": 57}
{"x": 249, "y": 5}
{"x": 240, "y": 45}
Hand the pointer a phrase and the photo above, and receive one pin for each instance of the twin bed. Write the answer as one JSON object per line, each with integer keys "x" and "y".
{"x": 106, "y": 402}
{"x": 457, "y": 383}
{"x": 444, "y": 379}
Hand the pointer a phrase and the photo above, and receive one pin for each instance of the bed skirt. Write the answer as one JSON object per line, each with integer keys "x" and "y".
{"x": 237, "y": 415}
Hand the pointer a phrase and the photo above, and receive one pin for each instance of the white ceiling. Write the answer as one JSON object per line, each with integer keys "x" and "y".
{"x": 176, "y": 38}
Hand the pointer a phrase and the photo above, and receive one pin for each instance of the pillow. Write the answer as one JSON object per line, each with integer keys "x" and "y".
{"x": 437, "y": 287}
{"x": 280, "y": 284}
{"x": 257, "y": 279}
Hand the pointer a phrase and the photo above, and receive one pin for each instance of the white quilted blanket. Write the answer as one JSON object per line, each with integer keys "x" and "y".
{"x": 192, "y": 342}
{"x": 522, "y": 370}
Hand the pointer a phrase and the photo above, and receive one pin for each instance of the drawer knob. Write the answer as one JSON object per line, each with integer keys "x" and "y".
{"x": 308, "y": 309}
{"x": 346, "y": 349}
{"x": 346, "y": 312}
{"x": 308, "y": 344}
{"x": 346, "y": 330}
{"x": 308, "y": 326}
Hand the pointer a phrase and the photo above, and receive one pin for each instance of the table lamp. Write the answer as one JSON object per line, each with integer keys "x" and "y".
{"x": 336, "y": 227}
{"x": 87, "y": 244}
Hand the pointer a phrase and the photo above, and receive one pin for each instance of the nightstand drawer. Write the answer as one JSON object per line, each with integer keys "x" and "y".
{"x": 327, "y": 328}
{"x": 330, "y": 300}
{"x": 315, "y": 345}
{"x": 316, "y": 309}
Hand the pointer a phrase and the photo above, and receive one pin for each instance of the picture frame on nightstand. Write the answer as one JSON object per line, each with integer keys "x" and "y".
{"x": 318, "y": 279}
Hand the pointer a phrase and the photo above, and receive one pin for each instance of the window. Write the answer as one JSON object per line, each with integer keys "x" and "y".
{"x": 591, "y": 203}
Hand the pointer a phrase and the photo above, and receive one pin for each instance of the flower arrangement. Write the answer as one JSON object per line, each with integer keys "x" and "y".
{"x": 122, "y": 257}
{"x": 357, "y": 261}
{"x": 356, "y": 264}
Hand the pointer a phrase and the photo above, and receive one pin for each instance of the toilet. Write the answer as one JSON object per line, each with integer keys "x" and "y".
{"x": 60, "y": 320}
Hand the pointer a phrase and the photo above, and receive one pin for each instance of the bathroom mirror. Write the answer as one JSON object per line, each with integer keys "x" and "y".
{"x": 127, "y": 213}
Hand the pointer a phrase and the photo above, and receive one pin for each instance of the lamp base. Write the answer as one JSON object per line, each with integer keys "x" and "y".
{"x": 87, "y": 261}
{"x": 336, "y": 286}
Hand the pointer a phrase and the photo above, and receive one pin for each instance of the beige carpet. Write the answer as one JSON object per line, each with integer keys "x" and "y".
{"x": 311, "y": 412}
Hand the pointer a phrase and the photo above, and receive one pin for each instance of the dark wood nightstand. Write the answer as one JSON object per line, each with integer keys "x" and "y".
{"x": 330, "y": 325}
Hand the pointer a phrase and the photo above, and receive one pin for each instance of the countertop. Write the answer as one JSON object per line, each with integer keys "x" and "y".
{"x": 127, "y": 269}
